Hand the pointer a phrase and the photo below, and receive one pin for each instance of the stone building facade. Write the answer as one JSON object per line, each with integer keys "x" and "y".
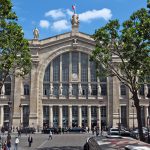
{"x": 62, "y": 89}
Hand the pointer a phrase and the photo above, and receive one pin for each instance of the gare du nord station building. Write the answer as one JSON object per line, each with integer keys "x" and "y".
{"x": 62, "y": 89}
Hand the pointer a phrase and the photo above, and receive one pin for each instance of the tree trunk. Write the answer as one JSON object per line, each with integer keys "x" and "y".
{"x": 139, "y": 119}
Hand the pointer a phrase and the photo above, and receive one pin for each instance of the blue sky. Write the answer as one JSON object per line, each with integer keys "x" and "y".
{"x": 52, "y": 17}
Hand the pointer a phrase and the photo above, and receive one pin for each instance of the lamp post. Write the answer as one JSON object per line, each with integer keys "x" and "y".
{"x": 119, "y": 120}
{"x": 133, "y": 113}
{"x": 20, "y": 106}
{"x": 10, "y": 115}
{"x": 148, "y": 122}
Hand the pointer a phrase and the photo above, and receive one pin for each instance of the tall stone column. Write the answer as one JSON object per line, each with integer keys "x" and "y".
{"x": 21, "y": 115}
{"x": 34, "y": 96}
{"x": 146, "y": 114}
{"x": 60, "y": 117}
{"x": 79, "y": 85}
{"x": 89, "y": 78}
{"x": 70, "y": 74}
{"x": 51, "y": 78}
{"x": 2, "y": 115}
{"x": 79, "y": 116}
{"x": 145, "y": 91}
{"x": 70, "y": 116}
{"x": 114, "y": 99}
{"x": 70, "y": 67}
{"x": 89, "y": 117}
{"x": 3, "y": 90}
{"x": 51, "y": 116}
{"x": 60, "y": 86}
{"x": 17, "y": 102}
{"x": 99, "y": 117}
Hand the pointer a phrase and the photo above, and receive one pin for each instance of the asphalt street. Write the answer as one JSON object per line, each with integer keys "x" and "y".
{"x": 59, "y": 141}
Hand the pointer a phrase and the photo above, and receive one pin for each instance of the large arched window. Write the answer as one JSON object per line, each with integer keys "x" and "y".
{"x": 64, "y": 77}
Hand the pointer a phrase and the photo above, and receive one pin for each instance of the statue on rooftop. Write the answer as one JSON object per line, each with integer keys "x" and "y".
{"x": 36, "y": 33}
{"x": 75, "y": 19}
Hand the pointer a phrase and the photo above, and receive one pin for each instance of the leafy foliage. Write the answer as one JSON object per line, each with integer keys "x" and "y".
{"x": 124, "y": 52}
{"x": 14, "y": 50}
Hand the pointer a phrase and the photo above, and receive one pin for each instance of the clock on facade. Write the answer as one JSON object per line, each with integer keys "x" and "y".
{"x": 74, "y": 77}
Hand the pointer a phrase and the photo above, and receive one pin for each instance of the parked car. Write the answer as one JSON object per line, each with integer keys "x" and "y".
{"x": 28, "y": 130}
{"x": 76, "y": 130}
{"x": 119, "y": 143}
{"x": 114, "y": 132}
{"x": 135, "y": 132}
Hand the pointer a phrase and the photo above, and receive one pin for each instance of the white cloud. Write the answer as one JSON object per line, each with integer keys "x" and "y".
{"x": 60, "y": 25}
{"x": 95, "y": 14}
{"x": 69, "y": 12}
{"x": 55, "y": 14}
{"x": 44, "y": 24}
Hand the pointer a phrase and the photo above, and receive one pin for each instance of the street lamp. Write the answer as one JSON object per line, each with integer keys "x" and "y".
{"x": 10, "y": 115}
{"x": 133, "y": 113}
{"x": 119, "y": 120}
{"x": 20, "y": 106}
{"x": 148, "y": 121}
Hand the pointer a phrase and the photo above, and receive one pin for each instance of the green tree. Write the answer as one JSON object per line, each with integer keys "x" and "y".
{"x": 130, "y": 44}
{"x": 14, "y": 49}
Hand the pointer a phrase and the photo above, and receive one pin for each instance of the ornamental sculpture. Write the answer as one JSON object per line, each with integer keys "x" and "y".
{"x": 75, "y": 19}
{"x": 36, "y": 33}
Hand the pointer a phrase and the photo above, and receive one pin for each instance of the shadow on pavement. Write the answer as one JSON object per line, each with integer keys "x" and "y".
{"x": 62, "y": 148}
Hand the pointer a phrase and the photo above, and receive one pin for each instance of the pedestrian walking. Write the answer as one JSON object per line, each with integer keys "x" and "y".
{"x": 50, "y": 135}
{"x": 8, "y": 145}
{"x": 4, "y": 147}
{"x": 30, "y": 140}
{"x": 16, "y": 143}
{"x": 88, "y": 130}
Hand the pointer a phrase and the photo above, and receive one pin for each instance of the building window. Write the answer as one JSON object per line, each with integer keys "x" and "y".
{"x": 103, "y": 111}
{"x": 56, "y": 69}
{"x": 94, "y": 89}
{"x": 46, "y": 89}
{"x": 103, "y": 89}
{"x": 75, "y": 89}
{"x": 74, "y": 111}
{"x": 141, "y": 90}
{"x": 75, "y": 66}
{"x": 93, "y": 72}
{"x": 84, "y": 111}
{"x": 65, "y": 67}
{"x": 7, "y": 88}
{"x": 45, "y": 116}
{"x": 84, "y": 67}
{"x": 65, "y": 111}
{"x": 26, "y": 89}
{"x": 123, "y": 116}
{"x": 25, "y": 116}
{"x": 55, "y": 111}
{"x": 84, "y": 90}
{"x": 122, "y": 89}
{"x": 94, "y": 111}
{"x": 65, "y": 89}
{"x": 47, "y": 74}
{"x": 56, "y": 89}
